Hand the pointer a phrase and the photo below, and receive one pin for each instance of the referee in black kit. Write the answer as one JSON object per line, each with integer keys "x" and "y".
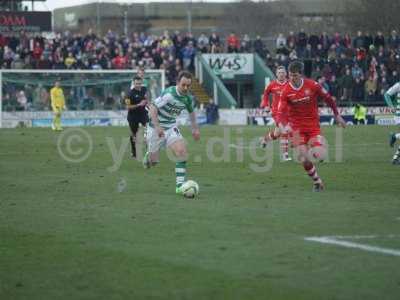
{"x": 136, "y": 104}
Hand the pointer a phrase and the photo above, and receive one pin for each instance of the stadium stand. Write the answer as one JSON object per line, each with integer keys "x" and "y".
{"x": 353, "y": 69}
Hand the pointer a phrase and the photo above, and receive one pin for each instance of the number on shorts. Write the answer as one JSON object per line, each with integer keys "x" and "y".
{"x": 177, "y": 131}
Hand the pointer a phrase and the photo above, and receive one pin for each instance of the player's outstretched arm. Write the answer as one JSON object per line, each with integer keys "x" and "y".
{"x": 195, "y": 127}
{"x": 145, "y": 100}
{"x": 390, "y": 93}
{"x": 153, "y": 112}
{"x": 388, "y": 99}
{"x": 340, "y": 121}
{"x": 331, "y": 102}
{"x": 265, "y": 99}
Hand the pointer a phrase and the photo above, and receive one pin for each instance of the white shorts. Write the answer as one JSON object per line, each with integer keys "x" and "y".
{"x": 397, "y": 120}
{"x": 155, "y": 143}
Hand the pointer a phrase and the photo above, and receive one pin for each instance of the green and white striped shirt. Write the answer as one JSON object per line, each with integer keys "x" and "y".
{"x": 395, "y": 91}
{"x": 170, "y": 105}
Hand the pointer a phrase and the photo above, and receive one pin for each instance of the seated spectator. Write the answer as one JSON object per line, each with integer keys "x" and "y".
{"x": 215, "y": 42}
{"x": 316, "y": 73}
{"x": 188, "y": 54}
{"x": 383, "y": 86}
{"x": 109, "y": 103}
{"x": 44, "y": 64}
{"x": 233, "y": 43}
{"x": 322, "y": 82}
{"x": 320, "y": 51}
{"x": 333, "y": 86}
{"x": 259, "y": 47}
{"x": 40, "y": 98}
{"x": 359, "y": 41}
{"x": 370, "y": 97}
{"x": 346, "y": 82}
{"x": 245, "y": 44}
{"x": 393, "y": 77}
{"x": 379, "y": 40}
{"x": 313, "y": 41}
{"x": 293, "y": 55}
{"x": 70, "y": 61}
{"x": 8, "y": 104}
{"x": 203, "y": 43}
{"x": 301, "y": 41}
{"x": 96, "y": 65}
{"x": 280, "y": 41}
{"x": 22, "y": 101}
{"x": 371, "y": 84}
{"x": 212, "y": 114}
{"x": 358, "y": 94}
{"x": 357, "y": 72}
{"x": 17, "y": 62}
{"x": 37, "y": 51}
{"x": 394, "y": 40}
{"x": 119, "y": 62}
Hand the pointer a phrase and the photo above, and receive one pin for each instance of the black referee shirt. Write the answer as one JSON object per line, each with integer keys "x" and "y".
{"x": 135, "y": 96}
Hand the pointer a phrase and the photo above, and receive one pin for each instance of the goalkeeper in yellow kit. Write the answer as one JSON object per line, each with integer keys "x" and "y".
{"x": 57, "y": 104}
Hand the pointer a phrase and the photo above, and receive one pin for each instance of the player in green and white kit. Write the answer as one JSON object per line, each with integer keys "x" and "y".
{"x": 162, "y": 129}
{"x": 392, "y": 98}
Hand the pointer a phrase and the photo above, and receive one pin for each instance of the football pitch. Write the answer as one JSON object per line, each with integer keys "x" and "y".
{"x": 96, "y": 225}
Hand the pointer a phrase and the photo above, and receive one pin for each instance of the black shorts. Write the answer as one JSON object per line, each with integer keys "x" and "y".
{"x": 135, "y": 120}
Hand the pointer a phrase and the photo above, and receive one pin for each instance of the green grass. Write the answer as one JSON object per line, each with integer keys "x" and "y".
{"x": 81, "y": 231}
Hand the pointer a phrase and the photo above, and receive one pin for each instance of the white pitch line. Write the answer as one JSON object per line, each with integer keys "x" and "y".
{"x": 243, "y": 147}
{"x": 356, "y": 237}
{"x": 333, "y": 241}
{"x": 329, "y": 146}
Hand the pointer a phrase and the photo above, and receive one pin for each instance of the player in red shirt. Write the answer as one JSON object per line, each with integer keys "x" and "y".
{"x": 275, "y": 89}
{"x": 299, "y": 100}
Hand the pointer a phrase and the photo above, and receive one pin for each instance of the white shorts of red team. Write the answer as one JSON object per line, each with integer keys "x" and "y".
{"x": 155, "y": 143}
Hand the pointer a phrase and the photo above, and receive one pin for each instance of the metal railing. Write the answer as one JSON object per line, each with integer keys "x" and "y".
{"x": 262, "y": 76}
{"x": 213, "y": 84}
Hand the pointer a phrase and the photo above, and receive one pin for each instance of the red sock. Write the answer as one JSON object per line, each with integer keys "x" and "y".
{"x": 272, "y": 136}
{"x": 312, "y": 171}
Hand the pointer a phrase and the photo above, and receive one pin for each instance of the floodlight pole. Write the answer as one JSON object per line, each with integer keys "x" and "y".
{"x": 189, "y": 16}
{"x": 126, "y": 22}
{"x": 98, "y": 18}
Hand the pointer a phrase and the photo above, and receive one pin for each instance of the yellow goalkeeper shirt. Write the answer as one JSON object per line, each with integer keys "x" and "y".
{"x": 57, "y": 98}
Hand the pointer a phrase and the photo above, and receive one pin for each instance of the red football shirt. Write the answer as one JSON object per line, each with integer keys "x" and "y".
{"x": 301, "y": 104}
{"x": 275, "y": 88}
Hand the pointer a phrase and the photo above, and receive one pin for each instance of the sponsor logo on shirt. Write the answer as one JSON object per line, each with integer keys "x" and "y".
{"x": 301, "y": 100}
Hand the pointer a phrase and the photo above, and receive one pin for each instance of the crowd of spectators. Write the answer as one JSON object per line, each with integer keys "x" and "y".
{"x": 66, "y": 51}
{"x": 353, "y": 69}
{"x": 356, "y": 69}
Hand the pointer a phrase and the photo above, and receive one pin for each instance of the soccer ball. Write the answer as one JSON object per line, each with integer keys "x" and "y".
{"x": 190, "y": 189}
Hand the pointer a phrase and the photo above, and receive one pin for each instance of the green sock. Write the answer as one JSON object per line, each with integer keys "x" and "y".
{"x": 180, "y": 172}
